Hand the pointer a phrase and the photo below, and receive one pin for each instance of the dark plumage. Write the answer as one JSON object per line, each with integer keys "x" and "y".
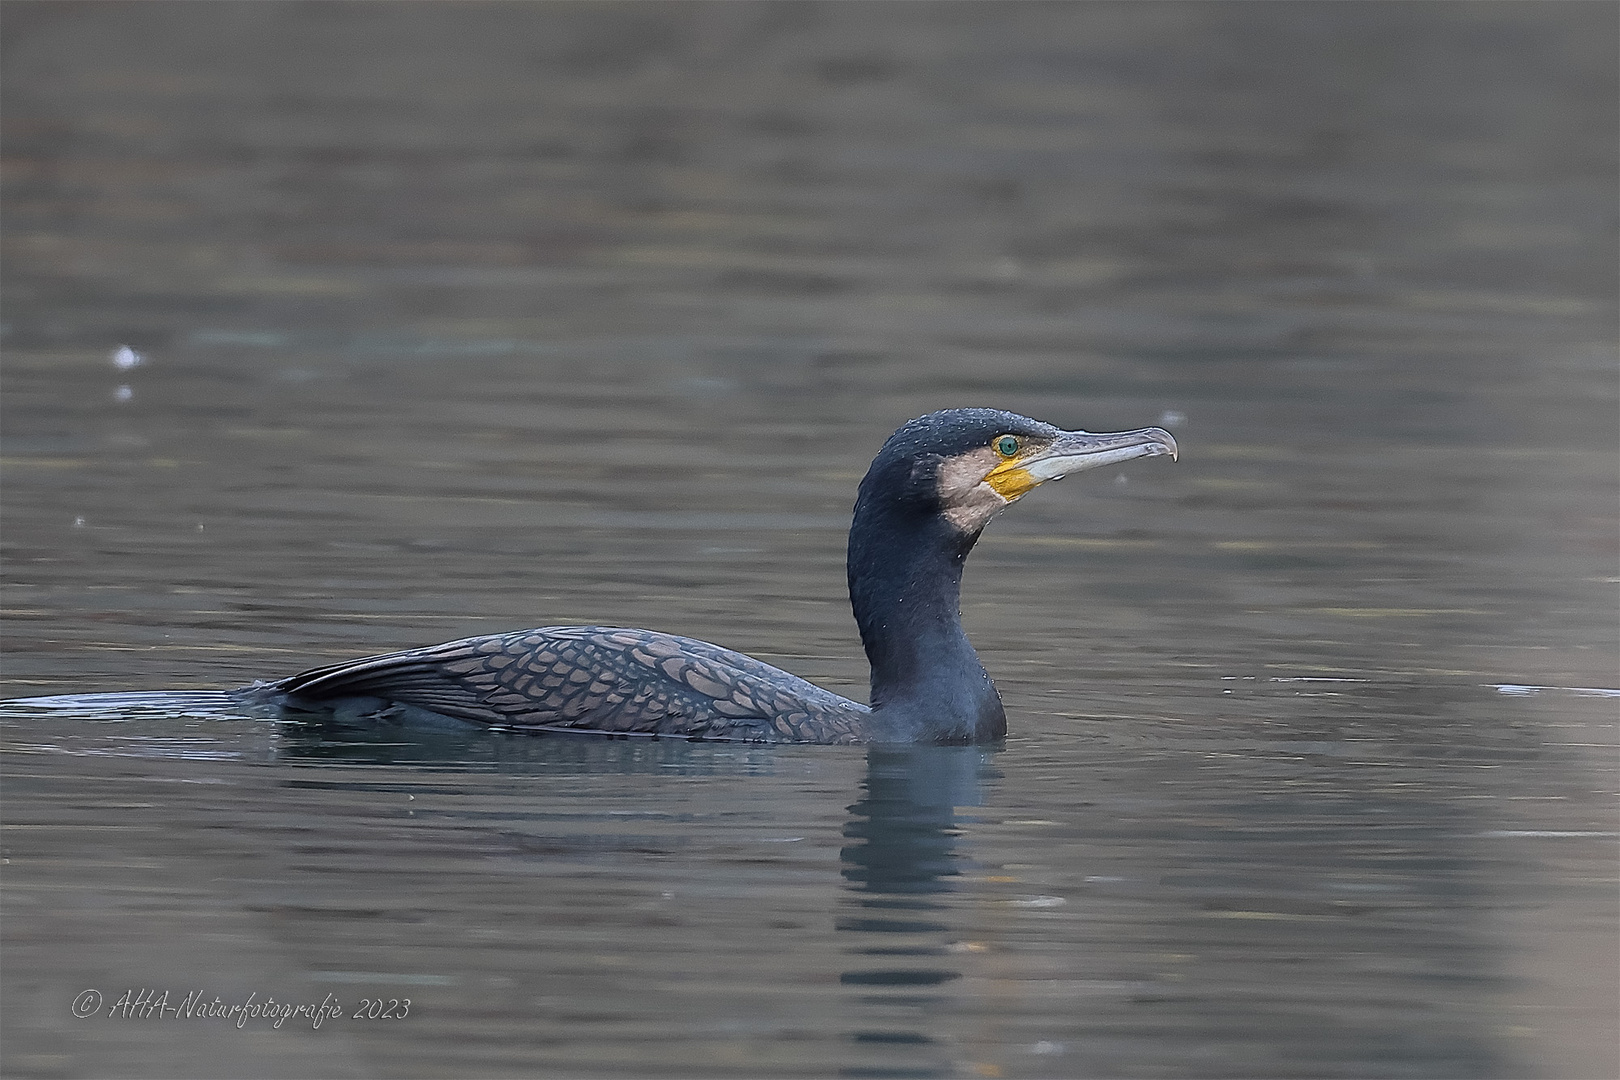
{"x": 929, "y": 492}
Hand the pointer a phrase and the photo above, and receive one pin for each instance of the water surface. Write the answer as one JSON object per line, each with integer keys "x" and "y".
{"x": 464, "y": 318}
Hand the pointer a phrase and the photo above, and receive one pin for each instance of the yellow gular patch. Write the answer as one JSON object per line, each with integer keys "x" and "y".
{"x": 1010, "y": 480}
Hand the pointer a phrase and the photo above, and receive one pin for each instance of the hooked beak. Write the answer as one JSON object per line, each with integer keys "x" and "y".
{"x": 1076, "y": 451}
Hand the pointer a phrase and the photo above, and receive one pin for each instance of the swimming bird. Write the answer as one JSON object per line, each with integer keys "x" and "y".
{"x": 929, "y": 493}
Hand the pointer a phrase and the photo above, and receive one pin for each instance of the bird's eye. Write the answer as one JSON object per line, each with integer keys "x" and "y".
{"x": 1007, "y": 446}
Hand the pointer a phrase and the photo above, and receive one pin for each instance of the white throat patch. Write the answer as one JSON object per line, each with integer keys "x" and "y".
{"x": 969, "y": 503}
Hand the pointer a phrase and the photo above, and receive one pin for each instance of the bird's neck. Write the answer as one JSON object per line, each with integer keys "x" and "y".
{"x": 905, "y": 585}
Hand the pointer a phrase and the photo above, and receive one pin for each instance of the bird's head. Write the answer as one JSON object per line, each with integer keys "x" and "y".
{"x": 968, "y": 464}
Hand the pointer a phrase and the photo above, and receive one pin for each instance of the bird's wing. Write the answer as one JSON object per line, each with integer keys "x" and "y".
{"x": 595, "y": 678}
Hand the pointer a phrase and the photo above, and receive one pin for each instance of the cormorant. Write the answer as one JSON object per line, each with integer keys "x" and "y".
{"x": 928, "y": 494}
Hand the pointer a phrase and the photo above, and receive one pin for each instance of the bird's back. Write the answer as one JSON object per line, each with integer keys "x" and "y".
{"x": 591, "y": 678}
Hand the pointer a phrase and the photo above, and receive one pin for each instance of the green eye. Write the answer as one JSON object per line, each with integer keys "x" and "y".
{"x": 1007, "y": 446}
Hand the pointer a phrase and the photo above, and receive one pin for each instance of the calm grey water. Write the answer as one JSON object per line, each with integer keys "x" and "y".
{"x": 464, "y": 318}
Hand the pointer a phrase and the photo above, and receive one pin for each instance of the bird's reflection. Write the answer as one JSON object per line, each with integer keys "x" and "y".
{"x": 900, "y": 861}
{"x": 475, "y": 749}
{"x": 902, "y": 831}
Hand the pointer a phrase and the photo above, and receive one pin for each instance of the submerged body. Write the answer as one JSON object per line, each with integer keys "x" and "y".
{"x": 928, "y": 494}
